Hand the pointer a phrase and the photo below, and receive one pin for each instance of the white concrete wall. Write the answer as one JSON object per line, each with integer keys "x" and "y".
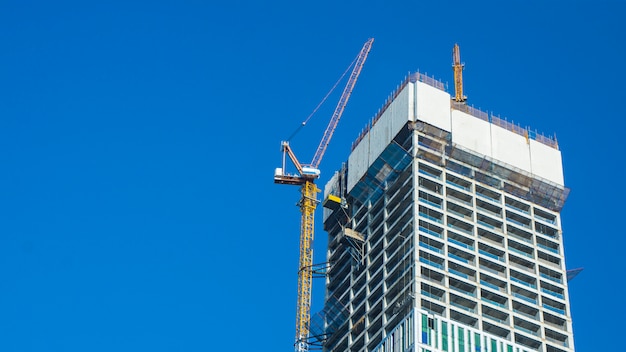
{"x": 358, "y": 162}
{"x": 510, "y": 148}
{"x": 420, "y": 101}
{"x": 377, "y": 139}
{"x": 471, "y": 132}
{"x": 329, "y": 188}
{"x": 546, "y": 162}
{"x": 433, "y": 106}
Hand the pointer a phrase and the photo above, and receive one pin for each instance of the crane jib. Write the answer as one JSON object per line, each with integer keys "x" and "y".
{"x": 343, "y": 101}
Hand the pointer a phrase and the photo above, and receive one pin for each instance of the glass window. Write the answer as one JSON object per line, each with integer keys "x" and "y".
{"x": 452, "y": 334}
{"x": 461, "y": 340}
{"x": 425, "y": 330}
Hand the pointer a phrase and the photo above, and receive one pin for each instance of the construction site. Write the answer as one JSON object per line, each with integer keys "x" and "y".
{"x": 444, "y": 229}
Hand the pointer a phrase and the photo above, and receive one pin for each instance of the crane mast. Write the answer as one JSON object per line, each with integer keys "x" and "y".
{"x": 308, "y": 202}
{"x": 457, "y": 66}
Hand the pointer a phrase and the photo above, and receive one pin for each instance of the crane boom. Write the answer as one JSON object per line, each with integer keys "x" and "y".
{"x": 341, "y": 105}
{"x": 308, "y": 202}
{"x": 458, "y": 74}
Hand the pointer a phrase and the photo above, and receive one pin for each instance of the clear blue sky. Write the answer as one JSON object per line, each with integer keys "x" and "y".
{"x": 138, "y": 142}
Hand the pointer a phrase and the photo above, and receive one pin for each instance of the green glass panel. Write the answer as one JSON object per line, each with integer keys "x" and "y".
{"x": 494, "y": 345}
{"x": 452, "y": 335}
{"x": 426, "y": 331}
{"x": 461, "y": 340}
{"x": 477, "y": 341}
{"x": 509, "y": 348}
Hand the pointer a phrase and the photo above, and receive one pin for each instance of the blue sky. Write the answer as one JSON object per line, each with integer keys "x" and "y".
{"x": 138, "y": 142}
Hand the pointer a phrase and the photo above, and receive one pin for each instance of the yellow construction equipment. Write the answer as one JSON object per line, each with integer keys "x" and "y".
{"x": 458, "y": 74}
{"x": 305, "y": 177}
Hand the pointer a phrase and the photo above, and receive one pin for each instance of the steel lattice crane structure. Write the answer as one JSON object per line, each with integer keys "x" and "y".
{"x": 457, "y": 66}
{"x": 308, "y": 202}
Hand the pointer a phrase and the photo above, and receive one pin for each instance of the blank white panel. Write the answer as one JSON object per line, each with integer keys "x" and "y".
{"x": 546, "y": 162}
{"x": 471, "y": 133}
{"x": 510, "y": 148}
{"x": 433, "y": 106}
{"x": 401, "y": 110}
{"x": 410, "y": 92}
{"x": 358, "y": 162}
{"x": 377, "y": 139}
{"x": 328, "y": 187}
{"x": 381, "y": 133}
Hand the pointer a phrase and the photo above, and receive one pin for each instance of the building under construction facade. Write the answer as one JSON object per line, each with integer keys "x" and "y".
{"x": 445, "y": 234}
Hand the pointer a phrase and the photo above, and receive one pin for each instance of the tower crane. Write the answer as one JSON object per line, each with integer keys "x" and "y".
{"x": 305, "y": 178}
{"x": 457, "y": 66}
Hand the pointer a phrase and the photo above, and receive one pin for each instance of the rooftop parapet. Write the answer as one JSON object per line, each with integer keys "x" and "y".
{"x": 491, "y": 118}
{"x": 411, "y": 78}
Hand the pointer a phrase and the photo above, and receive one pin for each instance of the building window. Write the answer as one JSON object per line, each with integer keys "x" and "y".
{"x": 461, "y": 340}
{"x": 444, "y": 336}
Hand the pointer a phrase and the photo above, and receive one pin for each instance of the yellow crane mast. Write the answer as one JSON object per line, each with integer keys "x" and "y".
{"x": 458, "y": 74}
{"x": 305, "y": 177}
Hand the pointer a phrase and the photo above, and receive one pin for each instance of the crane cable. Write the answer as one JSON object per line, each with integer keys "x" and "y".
{"x": 323, "y": 101}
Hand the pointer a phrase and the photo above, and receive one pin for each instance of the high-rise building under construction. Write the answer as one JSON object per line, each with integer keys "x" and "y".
{"x": 445, "y": 233}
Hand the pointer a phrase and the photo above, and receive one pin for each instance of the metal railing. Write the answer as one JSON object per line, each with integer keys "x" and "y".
{"x": 491, "y": 255}
{"x": 522, "y": 253}
{"x": 471, "y": 310}
{"x": 552, "y": 278}
{"x": 461, "y": 259}
{"x": 458, "y": 273}
{"x": 554, "y": 309}
{"x": 424, "y": 215}
{"x": 555, "y": 294}
{"x": 553, "y": 250}
{"x": 426, "y": 261}
{"x": 459, "y": 243}
{"x": 434, "y": 249}
{"x": 520, "y": 281}
{"x": 502, "y": 305}
{"x": 495, "y": 287}
{"x": 525, "y": 298}
{"x": 423, "y": 200}
{"x": 430, "y": 232}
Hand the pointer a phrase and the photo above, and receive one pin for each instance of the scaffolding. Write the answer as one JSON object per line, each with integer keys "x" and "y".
{"x": 513, "y": 180}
